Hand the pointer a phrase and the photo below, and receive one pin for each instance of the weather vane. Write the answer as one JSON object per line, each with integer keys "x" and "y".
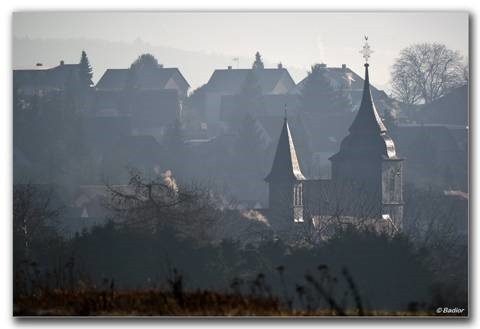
{"x": 366, "y": 51}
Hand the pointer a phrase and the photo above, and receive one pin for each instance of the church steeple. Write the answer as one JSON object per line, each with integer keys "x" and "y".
{"x": 367, "y": 163}
{"x": 285, "y": 165}
{"x": 367, "y": 135}
{"x": 367, "y": 119}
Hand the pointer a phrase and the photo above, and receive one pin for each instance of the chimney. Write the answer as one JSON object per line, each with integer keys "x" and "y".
{"x": 280, "y": 65}
{"x": 344, "y": 67}
{"x": 62, "y": 62}
{"x": 229, "y": 67}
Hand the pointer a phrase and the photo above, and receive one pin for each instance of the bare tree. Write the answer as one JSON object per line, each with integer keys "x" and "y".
{"x": 425, "y": 72}
{"x": 33, "y": 215}
{"x": 155, "y": 203}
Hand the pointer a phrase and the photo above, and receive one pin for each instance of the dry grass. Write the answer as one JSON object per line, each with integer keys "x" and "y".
{"x": 154, "y": 302}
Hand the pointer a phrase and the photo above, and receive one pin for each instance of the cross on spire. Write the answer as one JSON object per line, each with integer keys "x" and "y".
{"x": 366, "y": 50}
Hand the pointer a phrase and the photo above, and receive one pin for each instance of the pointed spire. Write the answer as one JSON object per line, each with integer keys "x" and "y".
{"x": 367, "y": 119}
{"x": 368, "y": 136}
{"x": 285, "y": 165}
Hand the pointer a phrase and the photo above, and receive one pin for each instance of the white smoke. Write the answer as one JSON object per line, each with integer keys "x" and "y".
{"x": 255, "y": 215}
{"x": 170, "y": 181}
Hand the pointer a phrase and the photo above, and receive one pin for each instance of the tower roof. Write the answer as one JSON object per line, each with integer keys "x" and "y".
{"x": 367, "y": 119}
{"x": 368, "y": 135}
{"x": 285, "y": 164}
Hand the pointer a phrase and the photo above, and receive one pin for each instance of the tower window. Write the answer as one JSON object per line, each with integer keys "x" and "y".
{"x": 391, "y": 185}
{"x": 298, "y": 195}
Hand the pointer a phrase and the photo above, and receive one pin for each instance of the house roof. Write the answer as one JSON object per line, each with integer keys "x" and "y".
{"x": 54, "y": 77}
{"x": 230, "y": 81}
{"x": 285, "y": 164}
{"x": 340, "y": 75}
{"x": 116, "y": 79}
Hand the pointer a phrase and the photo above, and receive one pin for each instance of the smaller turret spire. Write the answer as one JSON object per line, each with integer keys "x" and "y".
{"x": 285, "y": 165}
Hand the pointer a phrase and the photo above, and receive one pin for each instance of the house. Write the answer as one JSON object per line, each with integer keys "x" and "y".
{"x": 144, "y": 80}
{"x": 41, "y": 81}
{"x": 229, "y": 82}
{"x": 149, "y": 112}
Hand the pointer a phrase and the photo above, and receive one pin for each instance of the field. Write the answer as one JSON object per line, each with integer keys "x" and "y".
{"x": 154, "y": 302}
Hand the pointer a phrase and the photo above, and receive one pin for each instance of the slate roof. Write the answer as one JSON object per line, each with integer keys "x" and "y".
{"x": 52, "y": 78}
{"x": 341, "y": 75}
{"x": 367, "y": 119}
{"x": 116, "y": 79}
{"x": 230, "y": 81}
{"x": 285, "y": 166}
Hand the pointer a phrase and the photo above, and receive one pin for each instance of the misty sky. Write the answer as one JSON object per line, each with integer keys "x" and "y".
{"x": 296, "y": 39}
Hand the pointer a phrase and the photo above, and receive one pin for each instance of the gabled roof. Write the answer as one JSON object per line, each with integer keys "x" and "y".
{"x": 285, "y": 166}
{"x": 340, "y": 75}
{"x": 116, "y": 79}
{"x": 230, "y": 81}
{"x": 54, "y": 78}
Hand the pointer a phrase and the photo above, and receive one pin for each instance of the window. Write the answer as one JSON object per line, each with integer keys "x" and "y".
{"x": 391, "y": 184}
{"x": 297, "y": 195}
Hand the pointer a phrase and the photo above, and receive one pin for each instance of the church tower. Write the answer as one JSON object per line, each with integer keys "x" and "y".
{"x": 368, "y": 164}
{"x": 285, "y": 182}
